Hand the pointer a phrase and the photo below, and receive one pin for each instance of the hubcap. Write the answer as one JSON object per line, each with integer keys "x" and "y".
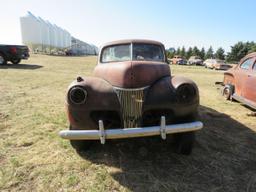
{"x": 226, "y": 92}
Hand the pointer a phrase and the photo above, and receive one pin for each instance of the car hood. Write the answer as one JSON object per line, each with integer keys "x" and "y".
{"x": 132, "y": 74}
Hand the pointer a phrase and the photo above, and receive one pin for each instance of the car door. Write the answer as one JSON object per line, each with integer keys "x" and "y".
{"x": 249, "y": 88}
{"x": 241, "y": 75}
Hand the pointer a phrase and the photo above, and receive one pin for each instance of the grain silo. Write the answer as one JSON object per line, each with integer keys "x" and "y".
{"x": 43, "y": 36}
{"x": 55, "y": 31}
{"x": 51, "y": 36}
{"x": 45, "y": 33}
{"x": 62, "y": 37}
{"x": 68, "y": 39}
{"x": 31, "y": 32}
{"x": 58, "y": 37}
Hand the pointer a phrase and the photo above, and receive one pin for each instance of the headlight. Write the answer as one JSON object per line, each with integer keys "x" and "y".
{"x": 77, "y": 95}
{"x": 186, "y": 93}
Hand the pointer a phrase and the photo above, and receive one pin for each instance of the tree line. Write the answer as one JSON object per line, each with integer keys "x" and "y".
{"x": 238, "y": 51}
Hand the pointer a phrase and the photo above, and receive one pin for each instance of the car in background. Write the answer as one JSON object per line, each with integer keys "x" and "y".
{"x": 195, "y": 60}
{"x": 240, "y": 81}
{"x": 216, "y": 64}
{"x": 178, "y": 60}
{"x": 13, "y": 53}
{"x": 132, "y": 94}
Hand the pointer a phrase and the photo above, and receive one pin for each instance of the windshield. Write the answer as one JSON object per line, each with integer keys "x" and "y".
{"x": 141, "y": 52}
{"x": 116, "y": 53}
{"x": 147, "y": 52}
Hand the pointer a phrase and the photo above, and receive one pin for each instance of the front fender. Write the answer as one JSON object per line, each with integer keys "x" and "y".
{"x": 176, "y": 81}
{"x": 163, "y": 95}
{"x": 101, "y": 97}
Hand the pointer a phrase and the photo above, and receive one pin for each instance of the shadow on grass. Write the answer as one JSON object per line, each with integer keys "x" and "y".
{"x": 21, "y": 66}
{"x": 224, "y": 159}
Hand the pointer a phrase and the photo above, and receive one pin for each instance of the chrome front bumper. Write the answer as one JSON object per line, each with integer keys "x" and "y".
{"x": 103, "y": 134}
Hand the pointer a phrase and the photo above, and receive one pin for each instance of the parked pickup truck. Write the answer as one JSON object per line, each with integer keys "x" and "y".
{"x": 13, "y": 53}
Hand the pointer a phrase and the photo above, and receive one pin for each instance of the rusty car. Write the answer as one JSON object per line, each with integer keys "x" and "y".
{"x": 216, "y": 64}
{"x": 178, "y": 60}
{"x": 132, "y": 93}
{"x": 240, "y": 81}
{"x": 195, "y": 60}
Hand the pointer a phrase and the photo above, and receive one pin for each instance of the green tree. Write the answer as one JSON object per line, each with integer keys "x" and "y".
{"x": 253, "y": 48}
{"x": 202, "y": 53}
{"x": 238, "y": 51}
{"x": 183, "y": 52}
{"x": 209, "y": 54}
{"x": 170, "y": 52}
{"x": 220, "y": 53}
{"x": 178, "y": 51}
{"x": 195, "y": 51}
{"x": 189, "y": 53}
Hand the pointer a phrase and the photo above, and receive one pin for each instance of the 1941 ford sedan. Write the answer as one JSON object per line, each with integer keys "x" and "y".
{"x": 132, "y": 94}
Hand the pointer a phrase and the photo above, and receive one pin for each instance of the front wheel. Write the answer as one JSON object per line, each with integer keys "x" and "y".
{"x": 15, "y": 61}
{"x": 184, "y": 142}
{"x": 228, "y": 91}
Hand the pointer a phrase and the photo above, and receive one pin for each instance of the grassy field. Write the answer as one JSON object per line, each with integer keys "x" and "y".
{"x": 34, "y": 158}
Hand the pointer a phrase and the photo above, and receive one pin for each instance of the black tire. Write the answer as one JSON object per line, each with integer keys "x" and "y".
{"x": 228, "y": 91}
{"x": 184, "y": 142}
{"x": 15, "y": 61}
{"x": 3, "y": 60}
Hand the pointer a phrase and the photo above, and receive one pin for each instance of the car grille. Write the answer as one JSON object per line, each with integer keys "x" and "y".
{"x": 131, "y": 101}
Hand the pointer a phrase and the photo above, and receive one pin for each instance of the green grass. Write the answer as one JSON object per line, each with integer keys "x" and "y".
{"x": 34, "y": 158}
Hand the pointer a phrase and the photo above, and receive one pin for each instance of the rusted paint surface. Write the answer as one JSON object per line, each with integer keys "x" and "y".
{"x": 244, "y": 80}
{"x": 132, "y": 74}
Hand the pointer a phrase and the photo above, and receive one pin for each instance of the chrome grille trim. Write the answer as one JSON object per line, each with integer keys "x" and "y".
{"x": 131, "y": 101}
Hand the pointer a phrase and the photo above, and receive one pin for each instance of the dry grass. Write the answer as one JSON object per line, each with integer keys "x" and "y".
{"x": 34, "y": 158}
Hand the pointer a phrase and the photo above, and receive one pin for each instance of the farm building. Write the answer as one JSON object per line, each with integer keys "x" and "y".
{"x": 44, "y": 37}
{"x": 79, "y": 47}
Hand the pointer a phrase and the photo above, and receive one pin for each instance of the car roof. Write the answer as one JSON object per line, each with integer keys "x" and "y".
{"x": 125, "y": 41}
{"x": 253, "y": 54}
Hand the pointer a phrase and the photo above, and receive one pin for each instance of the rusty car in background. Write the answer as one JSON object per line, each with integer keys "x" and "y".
{"x": 216, "y": 64}
{"x": 240, "y": 81}
{"x": 178, "y": 60}
{"x": 132, "y": 94}
{"x": 195, "y": 60}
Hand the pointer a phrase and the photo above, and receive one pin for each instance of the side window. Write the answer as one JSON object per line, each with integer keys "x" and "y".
{"x": 247, "y": 63}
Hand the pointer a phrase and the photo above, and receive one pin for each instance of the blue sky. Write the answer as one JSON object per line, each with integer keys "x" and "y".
{"x": 201, "y": 23}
